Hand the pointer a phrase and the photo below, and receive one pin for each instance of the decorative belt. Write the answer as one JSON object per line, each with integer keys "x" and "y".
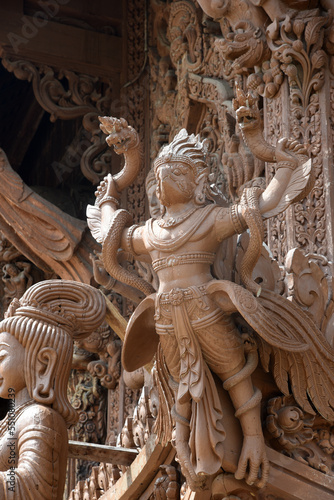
{"x": 186, "y": 258}
{"x": 177, "y": 295}
{"x": 198, "y": 324}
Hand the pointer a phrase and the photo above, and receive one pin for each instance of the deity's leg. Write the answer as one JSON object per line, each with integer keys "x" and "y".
{"x": 223, "y": 350}
{"x": 182, "y": 414}
{"x": 253, "y": 465}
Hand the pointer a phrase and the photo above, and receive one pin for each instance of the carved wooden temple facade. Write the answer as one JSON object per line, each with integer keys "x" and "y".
{"x": 165, "y": 65}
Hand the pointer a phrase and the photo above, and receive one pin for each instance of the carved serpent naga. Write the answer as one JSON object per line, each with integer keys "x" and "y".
{"x": 126, "y": 141}
{"x": 286, "y": 153}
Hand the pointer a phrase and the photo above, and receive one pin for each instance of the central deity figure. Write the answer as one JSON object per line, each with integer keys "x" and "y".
{"x": 189, "y": 319}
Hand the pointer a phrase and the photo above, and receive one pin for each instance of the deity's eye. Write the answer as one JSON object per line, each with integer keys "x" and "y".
{"x": 184, "y": 169}
{"x": 177, "y": 171}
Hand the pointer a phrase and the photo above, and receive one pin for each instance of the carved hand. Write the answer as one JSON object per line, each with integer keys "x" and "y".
{"x": 253, "y": 459}
{"x": 100, "y": 274}
{"x": 288, "y": 151}
{"x": 107, "y": 191}
{"x": 120, "y": 135}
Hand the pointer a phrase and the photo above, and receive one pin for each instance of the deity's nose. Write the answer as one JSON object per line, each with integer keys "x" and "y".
{"x": 164, "y": 172}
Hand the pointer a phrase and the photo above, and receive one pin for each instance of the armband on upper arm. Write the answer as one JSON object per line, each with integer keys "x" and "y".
{"x": 129, "y": 240}
{"x": 237, "y": 219}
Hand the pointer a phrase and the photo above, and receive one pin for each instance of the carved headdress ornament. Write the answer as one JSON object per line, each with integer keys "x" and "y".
{"x": 75, "y": 307}
{"x": 49, "y": 316}
{"x": 186, "y": 149}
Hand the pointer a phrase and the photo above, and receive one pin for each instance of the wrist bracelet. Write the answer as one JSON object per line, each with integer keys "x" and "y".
{"x": 286, "y": 164}
{"x": 111, "y": 283}
{"x": 108, "y": 198}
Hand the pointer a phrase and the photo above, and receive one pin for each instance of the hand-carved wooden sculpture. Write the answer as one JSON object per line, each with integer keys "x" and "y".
{"x": 190, "y": 318}
{"x": 36, "y": 346}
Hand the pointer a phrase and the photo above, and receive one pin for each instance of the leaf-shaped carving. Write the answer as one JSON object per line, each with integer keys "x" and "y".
{"x": 312, "y": 30}
{"x": 318, "y": 59}
{"x": 307, "y": 283}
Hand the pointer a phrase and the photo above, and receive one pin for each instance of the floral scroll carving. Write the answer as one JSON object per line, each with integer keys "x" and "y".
{"x": 301, "y": 436}
{"x": 107, "y": 346}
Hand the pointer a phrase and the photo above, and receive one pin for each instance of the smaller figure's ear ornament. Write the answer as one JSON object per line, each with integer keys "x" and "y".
{"x": 45, "y": 376}
{"x": 200, "y": 191}
{"x": 200, "y": 198}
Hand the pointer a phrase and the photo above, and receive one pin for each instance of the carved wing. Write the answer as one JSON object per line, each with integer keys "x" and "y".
{"x": 309, "y": 373}
{"x": 290, "y": 345}
{"x": 94, "y": 222}
{"x": 300, "y": 183}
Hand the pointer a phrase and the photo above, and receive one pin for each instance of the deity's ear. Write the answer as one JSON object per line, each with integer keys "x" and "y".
{"x": 45, "y": 367}
{"x": 199, "y": 190}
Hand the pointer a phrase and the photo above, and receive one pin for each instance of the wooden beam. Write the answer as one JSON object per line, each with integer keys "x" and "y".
{"x": 136, "y": 479}
{"x": 101, "y": 453}
{"x": 60, "y": 45}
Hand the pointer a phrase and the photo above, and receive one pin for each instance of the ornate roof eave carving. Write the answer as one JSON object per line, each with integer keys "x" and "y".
{"x": 47, "y": 236}
{"x": 86, "y": 97}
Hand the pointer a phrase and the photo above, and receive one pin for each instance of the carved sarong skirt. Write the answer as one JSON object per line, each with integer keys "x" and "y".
{"x": 192, "y": 330}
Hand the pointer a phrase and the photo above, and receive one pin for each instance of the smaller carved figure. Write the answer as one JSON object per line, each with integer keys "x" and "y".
{"x": 7, "y": 251}
{"x": 36, "y": 346}
{"x": 17, "y": 279}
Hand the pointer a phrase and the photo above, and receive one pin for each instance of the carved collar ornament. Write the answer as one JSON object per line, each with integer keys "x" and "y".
{"x": 175, "y": 221}
{"x": 172, "y": 245}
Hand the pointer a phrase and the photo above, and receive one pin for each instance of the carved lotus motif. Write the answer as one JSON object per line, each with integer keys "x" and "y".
{"x": 176, "y": 296}
{"x": 288, "y": 424}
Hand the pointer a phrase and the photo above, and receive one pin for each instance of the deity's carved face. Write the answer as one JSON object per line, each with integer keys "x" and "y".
{"x": 175, "y": 183}
{"x": 12, "y": 376}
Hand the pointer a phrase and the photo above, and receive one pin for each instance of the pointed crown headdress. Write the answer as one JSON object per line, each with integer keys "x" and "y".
{"x": 184, "y": 148}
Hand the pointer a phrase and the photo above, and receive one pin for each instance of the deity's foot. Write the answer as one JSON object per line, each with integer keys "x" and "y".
{"x": 194, "y": 481}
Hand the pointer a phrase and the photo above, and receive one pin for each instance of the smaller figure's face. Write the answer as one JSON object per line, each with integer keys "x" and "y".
{"x": 176, "y": 183}
{"x": 11, "y": 270}
{"x": 154, "y": 204}
{"x": 12, "y": 378}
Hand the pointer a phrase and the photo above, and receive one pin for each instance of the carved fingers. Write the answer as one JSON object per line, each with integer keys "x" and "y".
{"x": 120, "y": 135}
{"x": 296, "y": 147}
{"x": 288, "y": 151}
{"x": 253, "y": 464}
{"x": 100, "y": 274}
{"x": 107, "y": 191}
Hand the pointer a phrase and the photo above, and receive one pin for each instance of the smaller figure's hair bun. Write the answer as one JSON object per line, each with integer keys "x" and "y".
{"x": 76, "y": 307}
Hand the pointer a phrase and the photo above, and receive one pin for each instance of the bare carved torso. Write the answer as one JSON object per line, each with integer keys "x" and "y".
{"x": 187, "y": 263}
